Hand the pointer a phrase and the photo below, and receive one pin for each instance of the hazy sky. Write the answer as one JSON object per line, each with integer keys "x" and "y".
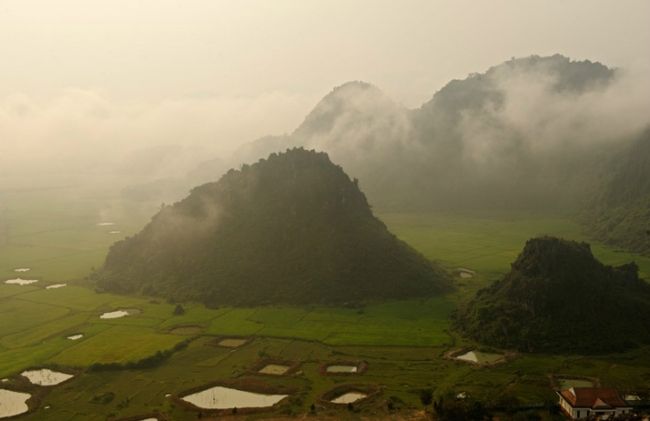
{"x": 157, "y": 49}
{"x": 138, "y": 71}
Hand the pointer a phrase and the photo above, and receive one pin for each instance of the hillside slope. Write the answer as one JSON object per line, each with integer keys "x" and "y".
{"x": 558, "y": 298}
{"x": 620, "y": 214}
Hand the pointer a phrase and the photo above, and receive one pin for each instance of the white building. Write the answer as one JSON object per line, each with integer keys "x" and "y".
{"x": 584, "y": 402}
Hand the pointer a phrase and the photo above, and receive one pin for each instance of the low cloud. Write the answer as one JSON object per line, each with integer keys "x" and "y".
{"x": 85, "y": 131}
{"x": 536, "y": 119}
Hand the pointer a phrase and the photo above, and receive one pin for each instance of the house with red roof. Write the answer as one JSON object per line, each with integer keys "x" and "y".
{"x": 585, "y": 402}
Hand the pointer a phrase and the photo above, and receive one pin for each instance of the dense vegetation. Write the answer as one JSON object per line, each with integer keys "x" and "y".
{"x": 293, "y": 228}
{"x": 620, "y": 214}
{"x": 558, "y": 298}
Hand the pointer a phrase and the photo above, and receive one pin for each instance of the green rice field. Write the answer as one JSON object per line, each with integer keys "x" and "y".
{"x": 55, "y": 233}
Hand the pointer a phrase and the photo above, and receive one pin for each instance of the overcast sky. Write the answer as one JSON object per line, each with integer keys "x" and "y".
{"x": 162, "y": 48}
{"x": 244, "y": 68}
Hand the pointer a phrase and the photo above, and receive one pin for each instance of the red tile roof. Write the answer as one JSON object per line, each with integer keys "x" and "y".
{"x": 592, "y": 397}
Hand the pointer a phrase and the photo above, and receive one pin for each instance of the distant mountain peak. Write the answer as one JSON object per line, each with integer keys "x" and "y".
{"x": 355, "y": 99}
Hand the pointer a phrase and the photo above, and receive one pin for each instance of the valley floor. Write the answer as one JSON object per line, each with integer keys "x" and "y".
{"x": 58, "y": 237}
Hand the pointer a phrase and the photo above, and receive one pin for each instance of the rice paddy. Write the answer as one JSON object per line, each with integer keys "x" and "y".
{"x": 46, "y": 377}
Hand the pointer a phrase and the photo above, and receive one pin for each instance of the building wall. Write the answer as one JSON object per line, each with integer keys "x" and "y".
{"x": 580, "y": 413}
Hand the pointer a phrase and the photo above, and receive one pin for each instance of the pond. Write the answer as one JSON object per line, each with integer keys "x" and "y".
{"x": 119, "y": 313}
{"x": 220, "y": 397}
{"x": 46, "y": 377}
{"x": 105, "y": 224}
{"x": 276, "y": 369}
{"x": 466, "y": 273}
{"x": 22, "y": 270}
{"x": 232, "y": 342}
{"x": 20, "y": 281}
{"x": 339, "y": 368}
{"x": 75, "y": 337}
{"x": 349, "y": 397}
{"x": 479, "y": 357}
{"x": 55, "y": 286}
{"x": 13, "y": 403}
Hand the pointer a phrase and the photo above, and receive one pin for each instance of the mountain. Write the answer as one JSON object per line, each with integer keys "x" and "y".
{"x": 558, "y": 298}
{"x": 620, "y": 213}
{"x": 293, "y": 228}
{"x": 512, "y": 136}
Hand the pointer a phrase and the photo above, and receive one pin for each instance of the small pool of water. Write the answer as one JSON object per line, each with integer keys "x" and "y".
{"x": 119, "y": 313}
{"x": 105, "y": 224}
{"x": 465, "y": 273}
{"x": 349, "y": 397}
{"x": 22, "y": 270}
{"x": 232, "y": 342}
{"x": 75, "y": 337}
{"x": 339, "y": 368}
{"x": 479, "y": 357}
{"x": 20, "y": 281}
{"x": 276, "y": 369}
{"x": 55, "y": 286}
{"x": 220, "y": 397}
{"x": 46, "y": 377}
{"x": 13, "y": 403}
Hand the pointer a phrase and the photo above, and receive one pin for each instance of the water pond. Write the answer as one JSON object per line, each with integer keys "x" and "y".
{"x": 119, "y": 313}
{"x": 20, "y": 281}
{"x": 232, "y": 342}
{"x": 13, "y": 403}
{"x": 220, "y": 397}
{"x": 479, "y": 357}
{"x": 339, "y": 368}
{"x": 349, "y": 397}
{"x": 276, "y": 369}
{"x": 55, "y": 286}
{"x": 75, "y": 337}
{"x": 46, "y": 377}
{"x": 466, "y": 273}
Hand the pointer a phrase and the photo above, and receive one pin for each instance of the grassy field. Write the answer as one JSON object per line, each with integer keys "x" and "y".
{"x": 55, "y": 233}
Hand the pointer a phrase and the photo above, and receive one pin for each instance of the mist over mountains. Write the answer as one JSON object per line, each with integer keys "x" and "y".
{"x": 529, "y": 133}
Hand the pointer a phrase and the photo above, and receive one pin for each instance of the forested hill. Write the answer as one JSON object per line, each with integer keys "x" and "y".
{"x": 293, "y": 228}
{"x": 559, "y": 298}
{"x": 620, "y": 214}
